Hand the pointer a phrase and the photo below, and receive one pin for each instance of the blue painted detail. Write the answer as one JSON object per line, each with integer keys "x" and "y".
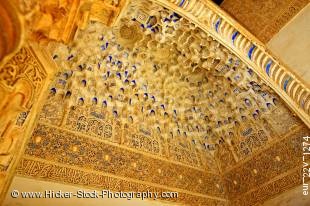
{"x": 95, "y": 100}
{"x": 81, "y": 100}
{"x": 251, "y": 51}
{"x": 268, "y": 67}
{"x": 119, "y": 75}
{"x": 153, "y": 98}
{"x": 234, "y": 36}
{"x": 176, "y": 15}
{"x": 53, "y": 90}
{"x": 68, "y": 94}
{"x": 302, "y": 103}
{"x": 152, "y": 112}
{"x": 217, "y": 24}
{"x": 115, "y": 113}
{"x": 250, "y": 71}
{"x": 181, "y": 3}
{"x": 286, "y": 83}
{"x": 84, "y": 82}
{"x": 105, "y": 103}
{"x": 70, "y": 57}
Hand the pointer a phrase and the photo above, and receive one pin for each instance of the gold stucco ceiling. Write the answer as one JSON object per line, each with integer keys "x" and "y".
{"x": 156, "y": 100}
{"x": 166, "y": 77}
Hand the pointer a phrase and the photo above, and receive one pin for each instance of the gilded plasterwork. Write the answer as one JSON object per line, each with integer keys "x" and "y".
{"x": 156, "y": 102}
{"x": 267, "y": 164}
{"x": 151, "y": 103}
{"x": 268, "y": 191}
{"x": 263, "y": 18}
{"x": 49, "y": 171}
{"x": 20, "y": 79}
{"x": 68, "y": 149}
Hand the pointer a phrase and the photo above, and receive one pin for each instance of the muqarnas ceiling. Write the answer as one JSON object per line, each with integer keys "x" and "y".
{"x": 162, "y": 78}
{"x": 156, "y": 99}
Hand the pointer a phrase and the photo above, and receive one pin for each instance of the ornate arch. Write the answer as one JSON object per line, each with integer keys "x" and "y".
{"x": 213, "y": 20}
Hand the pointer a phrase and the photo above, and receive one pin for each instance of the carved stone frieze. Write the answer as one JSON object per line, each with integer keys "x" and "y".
{"x": 270, "y": 190}
{"x": 68, "y": 148}
{"x": 33, "y": 168}
{"x": 278, "y": 159}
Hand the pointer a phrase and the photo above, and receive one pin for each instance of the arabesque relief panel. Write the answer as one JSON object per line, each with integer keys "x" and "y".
{"x": 155, "y": 102}
{"x": 22, "y": 80}
{"x": 53, "y": 172}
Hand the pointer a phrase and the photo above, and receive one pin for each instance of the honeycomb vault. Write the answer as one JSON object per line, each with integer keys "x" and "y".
{"x": 160, "y": 104}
